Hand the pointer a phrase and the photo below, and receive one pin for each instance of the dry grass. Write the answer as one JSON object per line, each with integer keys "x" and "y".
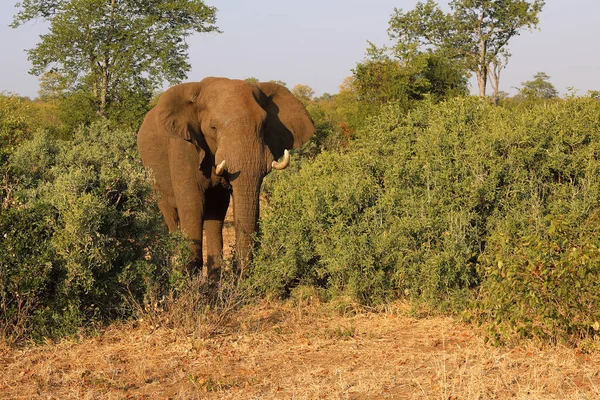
{"x": 297, "y": 351}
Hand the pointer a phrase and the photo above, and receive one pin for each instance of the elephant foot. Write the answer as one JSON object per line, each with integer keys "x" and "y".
{"x": 212, "y": 271}
{"x": 213, "y": 276}
{"x": 194, "y": 266}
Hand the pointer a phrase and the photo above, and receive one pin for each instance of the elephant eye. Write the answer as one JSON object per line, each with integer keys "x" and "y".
{"x": 213, "y": 128}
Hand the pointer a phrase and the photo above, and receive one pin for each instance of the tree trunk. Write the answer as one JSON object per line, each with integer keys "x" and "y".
{"x": 104, "y": 87}
{"x": 495, "y": 82}
{"x": 105, "y": 66}
{"x": 481, "y": 81}
{"x": 498, "y": 63}
{"x": 482, "y": 70}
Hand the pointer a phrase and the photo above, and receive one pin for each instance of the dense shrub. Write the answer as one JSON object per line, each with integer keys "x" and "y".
{"x": 457, "y": 205}
{"x": 13, "y": 126}
{"x": 388, "y": 217}
{"x": 543, "y": 285}
{"x": 541, "y": 266}
{"x": 83, "y": 235}
{"x": 26, "y": 265}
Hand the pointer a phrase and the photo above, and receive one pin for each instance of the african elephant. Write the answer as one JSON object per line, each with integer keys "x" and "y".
{"x": 205, "y": 141}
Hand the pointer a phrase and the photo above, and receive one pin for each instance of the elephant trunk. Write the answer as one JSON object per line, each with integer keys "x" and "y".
{"x": 246, "y": 213}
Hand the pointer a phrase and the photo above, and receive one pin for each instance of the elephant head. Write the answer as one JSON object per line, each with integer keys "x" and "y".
{"x": 218, "y": 135}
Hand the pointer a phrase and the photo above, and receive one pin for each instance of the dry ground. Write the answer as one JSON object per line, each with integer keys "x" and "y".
{"x": 276, "y": 351}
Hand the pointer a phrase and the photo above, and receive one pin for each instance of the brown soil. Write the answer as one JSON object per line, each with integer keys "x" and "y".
{"x": 300, "y": 352}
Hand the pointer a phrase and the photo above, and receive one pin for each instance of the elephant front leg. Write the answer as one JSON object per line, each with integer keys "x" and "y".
{"x": 191, "y": 225}
{"x": 189, "y": 196}
{"x": 169, "y": 213}
{"x": 217, "y": 203}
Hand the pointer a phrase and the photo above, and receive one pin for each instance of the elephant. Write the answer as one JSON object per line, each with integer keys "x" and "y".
{"x": 211, "y": 140}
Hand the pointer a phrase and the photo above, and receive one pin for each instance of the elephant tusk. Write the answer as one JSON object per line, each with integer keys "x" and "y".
{"x": 282, "y": 165}
{"x": 221, "y": 168}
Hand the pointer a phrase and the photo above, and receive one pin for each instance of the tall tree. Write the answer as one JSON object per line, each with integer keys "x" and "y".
{"x": 115, "y": 48}
{"x": 476, "y": 32}
{"x": 304, "y": 93}
{"x": 539, "y": 87}
{"x": 383, "y": 77}
{"x": 593, "y": 94}
{"x": 52, "y": 86}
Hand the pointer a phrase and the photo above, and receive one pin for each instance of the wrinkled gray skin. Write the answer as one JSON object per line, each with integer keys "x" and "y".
{"x": 192, "y": 130}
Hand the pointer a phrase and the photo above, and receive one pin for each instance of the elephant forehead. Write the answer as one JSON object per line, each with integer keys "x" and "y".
{"x": 237, "y": 99}
{"x": 243, "y": 121}
{"x": 242, "y": 117}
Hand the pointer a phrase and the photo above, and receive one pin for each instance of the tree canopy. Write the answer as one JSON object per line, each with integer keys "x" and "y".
{"x": 476, "y": 32}
{"x": 383, "y": 77}
{"x": 539, "y": 87}
{"x": 304, "y": 93}
{"x": 115, "y": 49}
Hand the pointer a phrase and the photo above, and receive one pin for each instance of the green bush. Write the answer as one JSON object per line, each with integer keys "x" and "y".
{"x": 543, "y": 285}
{"x": 26, "y": 265}
{"x": 13, "y": 129}
{"x": 84, "y": 236}
{"x": 386, "y": 218}
{"x": 459, "y": 205}
{"x": 540, "y": 267}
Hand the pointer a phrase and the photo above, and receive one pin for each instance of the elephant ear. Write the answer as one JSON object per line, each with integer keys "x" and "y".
{"x": 177, "y": 113}
{"x": 288, "y": 124}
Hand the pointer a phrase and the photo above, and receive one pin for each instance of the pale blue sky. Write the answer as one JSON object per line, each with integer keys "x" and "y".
{"x": 318, "y": 42}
